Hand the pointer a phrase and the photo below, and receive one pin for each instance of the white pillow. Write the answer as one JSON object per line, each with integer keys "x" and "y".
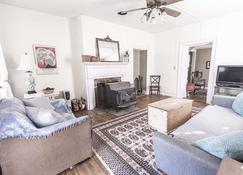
{"x": 42, "y": 117}
{"x": 40, "y": 102}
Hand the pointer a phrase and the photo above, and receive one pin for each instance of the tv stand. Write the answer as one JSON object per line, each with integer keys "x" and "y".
{"x": 228, "y": 91}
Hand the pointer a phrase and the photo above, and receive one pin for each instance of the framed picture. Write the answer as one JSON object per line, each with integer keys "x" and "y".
{"x": 207, "y": 64}
{"x": 45, "y": 58}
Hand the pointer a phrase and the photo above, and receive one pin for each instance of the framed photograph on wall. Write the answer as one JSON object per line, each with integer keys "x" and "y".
{"x": 45, "y": 58}
{"x": 207, "y": 64}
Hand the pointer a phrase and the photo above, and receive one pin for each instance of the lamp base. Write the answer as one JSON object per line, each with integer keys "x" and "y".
{"x": 31, "y": 92}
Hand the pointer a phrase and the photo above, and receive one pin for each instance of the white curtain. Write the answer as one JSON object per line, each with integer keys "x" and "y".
{"x": 5, "y": 89}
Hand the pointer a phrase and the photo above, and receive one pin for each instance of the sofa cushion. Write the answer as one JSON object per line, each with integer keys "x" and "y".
{"x": 12, "y": 105}
{"x": 238, "y": 104}
{"x": 230, "y": 145}
{"x": 42, "y": 117}
{"x": 211, "y": 121}
{"x": 40, "y": 102}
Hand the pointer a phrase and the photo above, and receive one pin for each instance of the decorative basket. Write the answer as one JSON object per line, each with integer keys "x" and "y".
{"x": 48, "y": 90}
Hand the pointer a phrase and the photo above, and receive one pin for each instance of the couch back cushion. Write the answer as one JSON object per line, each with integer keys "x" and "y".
{"x": 238, "y": 104}
{"x": 230, "y": 145}
{"x": 40, "y": 102}
{"x": 13, "y": 119}
{"x": 42, "y": 117}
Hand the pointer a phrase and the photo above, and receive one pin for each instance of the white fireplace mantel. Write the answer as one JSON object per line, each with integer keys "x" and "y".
{"x": 98, "y": 70}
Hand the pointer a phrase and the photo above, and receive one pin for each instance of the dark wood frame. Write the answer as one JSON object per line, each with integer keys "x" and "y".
{"x": 107, "y": 39}
{"x": 208, "y": 64}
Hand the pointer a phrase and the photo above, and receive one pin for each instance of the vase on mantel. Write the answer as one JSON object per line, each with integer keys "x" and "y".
{"x": 125, "y": 56}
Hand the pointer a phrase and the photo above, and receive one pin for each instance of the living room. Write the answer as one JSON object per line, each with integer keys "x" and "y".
{"x": 119, "y": 140}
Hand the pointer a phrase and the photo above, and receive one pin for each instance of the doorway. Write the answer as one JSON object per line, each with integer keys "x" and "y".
{"x": 184, "y": 66}
{"x": 198, "y": 72}
{"x": 140, "y": 70}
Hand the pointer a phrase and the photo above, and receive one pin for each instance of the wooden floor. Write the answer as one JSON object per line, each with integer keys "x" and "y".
{"x": 93, "y": 166}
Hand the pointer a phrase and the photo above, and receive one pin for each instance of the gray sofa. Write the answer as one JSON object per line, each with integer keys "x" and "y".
{"x": 175, "y": 155}
{"x": 46, "y": 151}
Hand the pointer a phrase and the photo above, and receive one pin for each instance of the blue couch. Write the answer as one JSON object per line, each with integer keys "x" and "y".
{"x": 27, "y": 150}
{"x": 175, "y": 155}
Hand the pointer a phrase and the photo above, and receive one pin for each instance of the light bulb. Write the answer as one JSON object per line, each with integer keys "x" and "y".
{"x": 144, "y": 18}
{"x": 153, "y": 20}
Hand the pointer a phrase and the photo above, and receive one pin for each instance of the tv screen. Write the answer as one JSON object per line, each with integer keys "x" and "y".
{"x": 230, "y": 75}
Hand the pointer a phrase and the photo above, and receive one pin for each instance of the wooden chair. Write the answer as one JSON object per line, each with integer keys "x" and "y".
{"x": 154, "y": 84}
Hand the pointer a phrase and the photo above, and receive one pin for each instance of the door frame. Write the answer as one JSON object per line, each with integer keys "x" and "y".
{"x": 183, "y": 65}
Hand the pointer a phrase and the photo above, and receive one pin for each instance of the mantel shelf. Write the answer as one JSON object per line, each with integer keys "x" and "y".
{"x": 105, "y": 63}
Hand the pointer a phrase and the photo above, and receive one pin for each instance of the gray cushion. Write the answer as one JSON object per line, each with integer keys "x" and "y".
{"x": 211, "y": 121}
{"x": 230, "y": 145}
{"x": 40, "y": 102}
{"x": 42, "y": 117}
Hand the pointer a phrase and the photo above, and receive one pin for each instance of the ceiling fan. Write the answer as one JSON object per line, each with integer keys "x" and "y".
{"x": 154, "y": 9}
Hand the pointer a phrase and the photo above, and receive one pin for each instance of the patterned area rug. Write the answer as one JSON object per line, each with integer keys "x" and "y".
{"x": 124, "y": 145}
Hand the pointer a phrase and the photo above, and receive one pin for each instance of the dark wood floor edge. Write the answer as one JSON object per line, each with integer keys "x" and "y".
{"x": 102, "y": 163}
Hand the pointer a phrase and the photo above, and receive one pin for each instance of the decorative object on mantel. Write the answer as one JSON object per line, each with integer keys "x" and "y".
{"x": 125, "y": 56}
{"x": 155, "y": 9}
{"x": 108, "y": 50}
{"x": 27, "y": 64}
{"x": 48, "y": 90}
{"x": 45, "y": 57}
{"x": 86, "y": 58}
{"x": 89, "y": 58}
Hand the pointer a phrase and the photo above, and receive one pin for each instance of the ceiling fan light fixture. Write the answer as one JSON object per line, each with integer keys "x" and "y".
{"x": 153, "y": 20}
{"x": 155, "y": 9}
{"x": 144, "y": 18}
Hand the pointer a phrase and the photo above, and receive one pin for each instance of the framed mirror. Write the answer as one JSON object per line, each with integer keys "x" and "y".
{"x": 108, "y": 50}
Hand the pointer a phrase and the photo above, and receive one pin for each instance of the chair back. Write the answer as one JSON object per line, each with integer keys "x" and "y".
{"x": 154, "y": 80}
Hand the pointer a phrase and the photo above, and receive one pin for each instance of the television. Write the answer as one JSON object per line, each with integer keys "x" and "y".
{"x": 230, "y": 76}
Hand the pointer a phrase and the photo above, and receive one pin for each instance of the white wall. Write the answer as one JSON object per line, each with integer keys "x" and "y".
{"x": 226, "y": 30}
{"x": 20, "y": 29}
{"x": 129, "y": 39}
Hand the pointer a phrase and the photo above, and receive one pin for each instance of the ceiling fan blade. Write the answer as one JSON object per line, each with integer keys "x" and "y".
{"x": 170, "y": 12}
{"x": 168, "y": 2}
{"x": 132, "y": 10}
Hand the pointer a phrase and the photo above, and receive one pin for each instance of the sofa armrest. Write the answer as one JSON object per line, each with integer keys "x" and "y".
{"x": 176, "y": 158}
{"x": 50, "y": 155}
{"x": 224, "y": 101}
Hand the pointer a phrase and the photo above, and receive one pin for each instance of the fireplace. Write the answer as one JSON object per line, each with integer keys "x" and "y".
{"x": 101, "y": 70}
{"x": 100, "y": 94}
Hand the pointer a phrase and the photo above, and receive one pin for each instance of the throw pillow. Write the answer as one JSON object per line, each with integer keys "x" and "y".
{"x": 230, "y": 145}
{"x": 43, "y": 117}
{"x": 238, "y": 104}
{"x": 40, "y": 102}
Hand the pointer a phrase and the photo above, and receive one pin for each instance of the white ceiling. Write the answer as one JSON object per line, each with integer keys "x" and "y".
{"x": 192, "y": 10}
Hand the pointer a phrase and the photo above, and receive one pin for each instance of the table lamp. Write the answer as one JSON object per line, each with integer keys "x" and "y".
{"x": 27, "y": 64}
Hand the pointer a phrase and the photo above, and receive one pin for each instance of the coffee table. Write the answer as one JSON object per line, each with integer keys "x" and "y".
{"x": 166, "y": 115}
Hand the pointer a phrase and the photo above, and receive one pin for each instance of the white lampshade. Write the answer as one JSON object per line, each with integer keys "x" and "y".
{"x": 27, "y": 63}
